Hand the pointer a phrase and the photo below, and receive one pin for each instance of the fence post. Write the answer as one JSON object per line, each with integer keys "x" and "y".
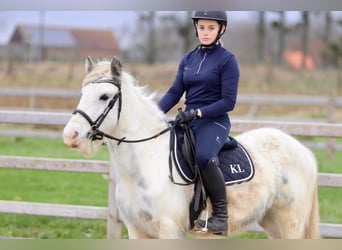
{"x": 32, "y": 101}
{"x": 113, "y": 223}
{"x": 331, "y": 119}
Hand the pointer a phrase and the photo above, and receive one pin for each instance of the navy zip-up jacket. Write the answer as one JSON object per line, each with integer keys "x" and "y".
{"x": 210, "y": 78}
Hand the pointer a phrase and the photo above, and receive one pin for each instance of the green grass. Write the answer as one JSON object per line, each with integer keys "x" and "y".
{"x": 43, "y": 227}
{"x": 42, "y": 148}
{"x": 330, "y": 200}
{"x": 91, "y": 189}
{"x": 53, "y": 187}
{"x": 327, "y": 165}
{"x": 50, "y": 187}
{"x": 45, "y": 186}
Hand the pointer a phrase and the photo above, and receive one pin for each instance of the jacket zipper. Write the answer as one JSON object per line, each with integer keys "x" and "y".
{"x": 200, "y": 65}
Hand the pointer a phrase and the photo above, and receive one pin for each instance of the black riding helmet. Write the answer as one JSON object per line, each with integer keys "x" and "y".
{"x": 219, "y": 16}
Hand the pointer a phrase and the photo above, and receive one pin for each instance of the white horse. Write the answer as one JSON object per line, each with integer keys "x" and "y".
{"x": 281, "y": 198}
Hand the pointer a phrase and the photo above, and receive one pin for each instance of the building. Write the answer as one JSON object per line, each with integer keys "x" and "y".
{"x": 33, "y": 43}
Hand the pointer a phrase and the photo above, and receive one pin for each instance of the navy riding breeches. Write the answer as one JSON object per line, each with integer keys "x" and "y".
{"x": 210, "y": 135}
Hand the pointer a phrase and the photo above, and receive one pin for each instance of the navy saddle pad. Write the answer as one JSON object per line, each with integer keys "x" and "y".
{"x": 235, "y": 162}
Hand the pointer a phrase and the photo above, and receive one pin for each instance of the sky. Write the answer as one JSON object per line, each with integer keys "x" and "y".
{"x": 113, "y": 20}
{"x": 134, "y": 5}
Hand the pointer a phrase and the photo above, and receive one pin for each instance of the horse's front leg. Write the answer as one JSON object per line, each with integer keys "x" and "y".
{"x": 168, "y": 229}
{"x": 135, "y": 233}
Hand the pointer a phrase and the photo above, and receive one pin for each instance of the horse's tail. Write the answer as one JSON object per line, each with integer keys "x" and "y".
{"x": 311, "y": 229}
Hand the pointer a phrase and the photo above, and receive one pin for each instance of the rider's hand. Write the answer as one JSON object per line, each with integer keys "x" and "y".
{"x": 186, "y": 116}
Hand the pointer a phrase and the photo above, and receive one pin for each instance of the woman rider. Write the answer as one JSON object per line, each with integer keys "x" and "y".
{"x": 209, "y": 75}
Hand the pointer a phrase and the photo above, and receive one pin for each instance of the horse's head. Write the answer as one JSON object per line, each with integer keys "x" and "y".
{"x": 99, "y": 107}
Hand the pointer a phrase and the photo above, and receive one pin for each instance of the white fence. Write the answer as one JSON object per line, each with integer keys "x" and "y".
{"x": 256, "y": 101}
{"x": 328, "y": 106}
{"x": 110, "y": 213}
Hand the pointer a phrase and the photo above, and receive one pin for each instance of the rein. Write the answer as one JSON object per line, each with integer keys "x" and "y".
{"x": 123, "y": 139}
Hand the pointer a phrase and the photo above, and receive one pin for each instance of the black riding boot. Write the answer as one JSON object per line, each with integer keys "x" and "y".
{"x": 215, "y": 187}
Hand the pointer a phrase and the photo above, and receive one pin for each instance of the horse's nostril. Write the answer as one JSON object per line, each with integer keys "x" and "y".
{"x": 75, "y": 135}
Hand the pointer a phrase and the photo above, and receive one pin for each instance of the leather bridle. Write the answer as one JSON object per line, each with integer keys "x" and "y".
{"x": 95, "y": 133}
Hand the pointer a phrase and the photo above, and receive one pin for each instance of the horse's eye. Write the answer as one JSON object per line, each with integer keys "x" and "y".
{"x": 104, "y": 97}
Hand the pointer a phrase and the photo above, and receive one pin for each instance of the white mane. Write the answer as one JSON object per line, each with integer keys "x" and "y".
{"x": 138, "y": 105}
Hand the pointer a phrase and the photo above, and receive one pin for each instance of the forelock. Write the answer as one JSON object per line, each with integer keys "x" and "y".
{"x": 100, "y": 70}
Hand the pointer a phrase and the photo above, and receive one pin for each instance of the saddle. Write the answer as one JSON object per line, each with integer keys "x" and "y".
{"x": 234, "y": 162}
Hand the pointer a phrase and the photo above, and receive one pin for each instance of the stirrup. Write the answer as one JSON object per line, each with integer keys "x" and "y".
{"x": 203, "y": 224}
{"x": 202, "y": 227}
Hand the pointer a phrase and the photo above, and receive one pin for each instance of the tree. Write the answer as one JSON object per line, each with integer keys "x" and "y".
{"x": 328, "y": 27}
{"x": 148, "y": 18}
{"x": 282, "y": 30}
{"x": 261, "y": 34}
{"x": 327, "y": 33}
{"x": 305, "y": 36}
{"x": 333, "y": 49}
{"x": 184, "y": 28}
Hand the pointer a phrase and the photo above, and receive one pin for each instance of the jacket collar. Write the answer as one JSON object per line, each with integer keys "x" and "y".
{"x": 208, "y": 49}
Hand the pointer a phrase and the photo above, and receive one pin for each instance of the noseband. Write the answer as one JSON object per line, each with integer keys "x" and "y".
{"x": 95, "y": 133}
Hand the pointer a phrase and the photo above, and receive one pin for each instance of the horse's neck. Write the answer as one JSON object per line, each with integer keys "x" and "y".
{"x": 140, "y": 161}
{"x": 140, "y": 116}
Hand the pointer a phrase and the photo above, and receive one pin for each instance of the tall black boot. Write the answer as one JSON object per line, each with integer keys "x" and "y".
{"x": 214, "y": 184}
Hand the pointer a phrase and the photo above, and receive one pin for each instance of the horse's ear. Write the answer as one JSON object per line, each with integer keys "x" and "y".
{"x": 115, "y": 67}
{"x": 89, "y": 64}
